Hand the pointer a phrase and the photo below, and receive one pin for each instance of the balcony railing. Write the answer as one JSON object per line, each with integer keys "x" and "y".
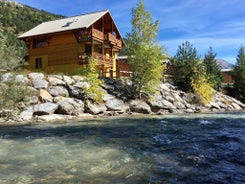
{"x": 86, "y": 34}
{"x": 113, "y": 40}
{"x": 106, "y": 61}
{"x": 103, "y": 60}
{"x": 98, "y": 34}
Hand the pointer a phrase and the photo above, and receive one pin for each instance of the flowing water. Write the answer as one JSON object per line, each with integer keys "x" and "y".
{"x": 161, "y": 149}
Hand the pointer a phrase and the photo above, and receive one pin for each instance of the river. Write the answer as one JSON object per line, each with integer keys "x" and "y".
{"x": 153, "y": 149}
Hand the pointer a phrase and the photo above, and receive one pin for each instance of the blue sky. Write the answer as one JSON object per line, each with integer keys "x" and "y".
{"x": 216, "y": 23}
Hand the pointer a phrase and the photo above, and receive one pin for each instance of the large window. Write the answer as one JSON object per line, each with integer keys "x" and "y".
{"x": 38, "y": 63}
{"x": 39, "y": 43}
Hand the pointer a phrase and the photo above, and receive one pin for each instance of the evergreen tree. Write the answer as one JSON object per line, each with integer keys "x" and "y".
{"x": 144, "y": 55}
{"x": 239, "y": 75}
{"x": 184, "y": 65}
{"x": 212, "y": 69}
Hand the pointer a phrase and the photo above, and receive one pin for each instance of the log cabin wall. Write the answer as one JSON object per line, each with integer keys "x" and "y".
{"x": 59, "y": 54}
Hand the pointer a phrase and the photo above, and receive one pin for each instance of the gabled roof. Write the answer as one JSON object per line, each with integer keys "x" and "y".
{"x": 66, "y": 24}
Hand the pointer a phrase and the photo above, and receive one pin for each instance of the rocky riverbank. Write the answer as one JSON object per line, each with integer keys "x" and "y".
{"x": 61, "y": 98}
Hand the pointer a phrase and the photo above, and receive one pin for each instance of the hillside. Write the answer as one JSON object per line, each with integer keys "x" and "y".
{"x": 16, "y": 18}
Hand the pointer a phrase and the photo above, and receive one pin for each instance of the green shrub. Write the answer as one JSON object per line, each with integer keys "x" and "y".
{"x": 91, "y": 75}
{"x": 11, "y": 93}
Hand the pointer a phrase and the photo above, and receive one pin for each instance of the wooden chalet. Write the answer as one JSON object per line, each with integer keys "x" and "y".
{"x": 62, "y": 46}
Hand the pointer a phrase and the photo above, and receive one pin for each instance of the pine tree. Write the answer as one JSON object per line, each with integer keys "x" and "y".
{"x": 239, "y": 75}
{"x": 212, "y": 69}
{"x": 144, "y": 54}
{"x": 183, "y": 65}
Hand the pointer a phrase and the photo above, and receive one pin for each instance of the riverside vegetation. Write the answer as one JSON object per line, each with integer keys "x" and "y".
{"x": 62, "y": 98}
{"x": 36, "y": 96}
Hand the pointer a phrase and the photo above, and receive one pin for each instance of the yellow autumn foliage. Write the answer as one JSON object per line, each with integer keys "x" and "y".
{"x": 202, "y": 89}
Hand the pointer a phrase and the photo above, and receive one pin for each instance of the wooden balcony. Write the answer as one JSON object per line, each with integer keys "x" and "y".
{"x": 102, "y": 60}
{"x": 87, "y": 34}
{"x": 98, "y": 34}
{"x": 113, "y": 40}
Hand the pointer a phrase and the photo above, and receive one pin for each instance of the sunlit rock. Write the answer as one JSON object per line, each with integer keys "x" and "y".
{"x": 54, "y": 117}
{"x": 114, "y": 104}
{"x": 139, "y": 106}
{"x": 21, "y": 79}
{"x": 58, "y": 91}
{"x": 94, "y": 108}
{"x": 55, "y": 80}
{"x": 69, "y": 106}
{"x": 44, "y": 96}
{"x": 68, "y": 80}
{"x": 43, "y": 109}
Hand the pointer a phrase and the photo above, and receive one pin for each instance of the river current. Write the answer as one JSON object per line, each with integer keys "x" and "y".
{"x": 154, "y": 149}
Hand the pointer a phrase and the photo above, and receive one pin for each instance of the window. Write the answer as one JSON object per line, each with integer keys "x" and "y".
{"x": 39, "y": 43}
{"x": 39, "y": 63}
{"x": 88, "y": 49}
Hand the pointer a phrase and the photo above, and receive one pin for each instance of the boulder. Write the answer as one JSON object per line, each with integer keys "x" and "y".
{"x": 26, "y": 115}
{"x": 43, "y": 109}
{"x": 54, "y": 117}
{"x": 32, "y": 100}
{"x": 40, "y": 83}
{"x": 55, "y": 80}
{"x": 69, "y": 106}
{"x": 139, "y": 106}
{"x": 158, "y": 103}
{"x": 58, "y": 91}
{"x": 68, "y": 80}
{"x": 214, "y": 105}
{"x": 114, "y": 104}
{"x": 164, "y": 87}
{"x": 82, "y": 85}
{"x": 84, "y": 116}
{"x": 36, "y": 76}
{"x": 21, "y": 79}
{"x": 94, "y": 108}
{"x": 75, "y": 92}
{"x": 44, "y": 96}
{"x": 179, "y": 105}
{"x": 189, "y": 111}
{"x": 236, "y": 106}
{"x": 177, "y": 97}
{"x": 78, "y": 78}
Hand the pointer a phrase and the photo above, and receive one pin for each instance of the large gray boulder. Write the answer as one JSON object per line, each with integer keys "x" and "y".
{"x": 58, "y": 91}
{"x": 68, "y": 80}
{"x": 43, "y": 109}
{"x": 114, "y": 104}
{"x": 158, "y": 102}
{"x": 78, "y": 78}
{"x": 21, "y": 79}
{"x": 69, "y": 106}
{"x": 94, "y": 108}
{"x": 26, "y": 115}
{"x": 38, "y": 80}
{"x": 55, "y": 80}
{"x": 82, "y": 85}
{"x": 35, "y": 76}
{"x": 139, "y": 106}
{"x": 40, "y": 84}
